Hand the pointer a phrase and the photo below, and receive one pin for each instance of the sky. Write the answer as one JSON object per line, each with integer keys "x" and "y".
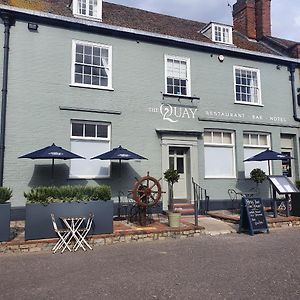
{"x": 285, "y": 13}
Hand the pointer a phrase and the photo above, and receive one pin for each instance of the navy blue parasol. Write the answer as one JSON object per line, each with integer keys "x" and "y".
{"x": 268, "y": 155}
{"x": 119, "y": 154}
{"x": 52, "y": 152}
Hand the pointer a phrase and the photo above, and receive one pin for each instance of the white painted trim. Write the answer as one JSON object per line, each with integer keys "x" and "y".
{"x": 258, "y": 83}
{"x": 91, "y": 138}
{"x": 95, "y": 87}
{"x": 98, "y": 16}
{"x": 213, "y": 28}
{"x": 188, "y": 71}
{"x": 222, "y": 145}
{"x": 109, "y": 68}
{"x": 89, "y": 177}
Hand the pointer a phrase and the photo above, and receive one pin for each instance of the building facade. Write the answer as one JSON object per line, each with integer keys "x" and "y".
{"x": 196, "y": 97}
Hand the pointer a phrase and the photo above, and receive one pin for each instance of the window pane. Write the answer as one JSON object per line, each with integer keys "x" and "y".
{"x": 227, "y": 138}
{"x": 207, "y": 137}
{"x": 171, "y": 163}
{"x": 250, "y": 165}
{"x": 104, "y": 81}
{"x": 219, "y": 162}
{"x": 263, "y": 139}
{"x": 180, "y": 165}
{"x": 102, "y": 131}
{"x": 217, "y": 137}
{"x": 88, "y": 167}
{"x": 90, "y": 130}
{"x": 77, "y": 129}
{"x": 254, "y": 139}
{"x": 78, "y": 78}
{"x": 246, "y": 139}
{"x": 87, "y": 79}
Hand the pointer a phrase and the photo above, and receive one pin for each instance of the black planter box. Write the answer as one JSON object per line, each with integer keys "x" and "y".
{"x": 38, "y": 224}
{"x": 5, "y": 222}
{"x": 295, "y": 204}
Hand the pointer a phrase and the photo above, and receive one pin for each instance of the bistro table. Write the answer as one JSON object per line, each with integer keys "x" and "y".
{"x": 74, "y": 225}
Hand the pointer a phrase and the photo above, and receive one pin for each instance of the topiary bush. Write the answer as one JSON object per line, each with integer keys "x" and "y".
{"x": 5, "y": 194}
{"x": 171, "y": 176}
{"x": 68, "y": 193}
{"x": 258, "y": 175}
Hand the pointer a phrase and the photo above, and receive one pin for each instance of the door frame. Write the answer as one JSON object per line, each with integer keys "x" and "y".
{"x": 190, "y": 142}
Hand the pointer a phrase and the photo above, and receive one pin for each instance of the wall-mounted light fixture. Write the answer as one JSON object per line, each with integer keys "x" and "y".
{"x": 33, "y": 26}
{"x": 221, "y": 58}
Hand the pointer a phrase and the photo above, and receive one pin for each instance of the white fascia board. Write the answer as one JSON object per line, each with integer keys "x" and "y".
{"x": 147, "y": 34}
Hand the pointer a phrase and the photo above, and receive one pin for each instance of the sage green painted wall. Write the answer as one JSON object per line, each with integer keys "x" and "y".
{"x": 39, "y": 78}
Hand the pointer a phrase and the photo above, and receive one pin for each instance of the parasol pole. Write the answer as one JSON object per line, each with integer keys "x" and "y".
{"x": 119, "y": 193}
{"x": 52, "y": 169}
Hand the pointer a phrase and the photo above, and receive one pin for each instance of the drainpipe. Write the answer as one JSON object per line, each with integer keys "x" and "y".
{"x": 292, "y": 79}
{"x": 7, "y": 21}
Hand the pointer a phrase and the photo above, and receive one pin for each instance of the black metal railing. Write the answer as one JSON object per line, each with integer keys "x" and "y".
{"x": 201, "y": 201}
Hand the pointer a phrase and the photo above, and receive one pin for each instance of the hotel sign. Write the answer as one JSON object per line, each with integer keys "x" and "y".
{"x": 174, "y": 114}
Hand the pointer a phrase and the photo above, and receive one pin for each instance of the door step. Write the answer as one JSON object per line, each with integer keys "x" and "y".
{"x": 185, "y": 208}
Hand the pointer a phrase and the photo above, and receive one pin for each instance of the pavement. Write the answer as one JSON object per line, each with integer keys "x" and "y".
{"x": 213, "y": 226}
{"x": 231, "y": 266}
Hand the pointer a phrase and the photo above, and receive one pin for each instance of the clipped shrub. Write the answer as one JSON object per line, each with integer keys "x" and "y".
{"x": 68, "y": 193}
{"x": 297, "y": 182}
{"x": 5, "y": 194}
{"x": 258, "y": 175}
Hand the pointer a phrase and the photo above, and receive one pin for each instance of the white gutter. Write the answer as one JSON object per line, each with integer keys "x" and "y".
{"x": 146, "y": 33}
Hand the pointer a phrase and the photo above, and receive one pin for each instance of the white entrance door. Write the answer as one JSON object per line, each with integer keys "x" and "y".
{"x": 178, "y": 161}
{"x": 287, "y": 148}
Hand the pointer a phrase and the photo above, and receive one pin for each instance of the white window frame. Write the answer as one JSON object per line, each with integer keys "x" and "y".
{"x": 108, "y": 139}
{"x": 188, "y": 71}
{"x": 109, "y": 66}
{"x": 98, "y": 15}
{"x": 223, "y": 28}
{"x": 223, "y": 145}
{"x": 259, "y": 102}
{"x": 256, "y": 146}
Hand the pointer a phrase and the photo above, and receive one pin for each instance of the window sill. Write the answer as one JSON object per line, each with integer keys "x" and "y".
{"x": 91, "y": 87}
{"x": 85, "y": 17}
{"x": 72, "y": 177}
{"x": 181, "y": 97}
{"x": 248, "y": 103}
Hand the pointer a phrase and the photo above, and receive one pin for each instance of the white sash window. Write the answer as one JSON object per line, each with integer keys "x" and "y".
{"x": 89, "y": 139}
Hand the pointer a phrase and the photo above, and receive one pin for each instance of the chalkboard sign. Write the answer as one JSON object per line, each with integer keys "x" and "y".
{"x": 252, "y": 216}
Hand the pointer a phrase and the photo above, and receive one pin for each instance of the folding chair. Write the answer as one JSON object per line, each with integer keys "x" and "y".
{"x": 62, "y": 234}
{"x": 83, "y": 232}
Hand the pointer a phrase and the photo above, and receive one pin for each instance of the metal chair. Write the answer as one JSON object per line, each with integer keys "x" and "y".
{"x": 234, "y": 197}
{"x": 62, "y": 234}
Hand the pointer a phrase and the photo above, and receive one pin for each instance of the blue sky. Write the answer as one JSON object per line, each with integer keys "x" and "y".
{"x": 285, "y": 13}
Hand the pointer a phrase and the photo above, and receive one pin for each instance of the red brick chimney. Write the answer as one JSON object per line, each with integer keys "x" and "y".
{"x": 263, "y": 18}
{"x": 252, "y": 18}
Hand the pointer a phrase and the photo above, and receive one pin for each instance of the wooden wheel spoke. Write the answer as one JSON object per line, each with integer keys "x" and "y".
{"x": 154, "y": 184}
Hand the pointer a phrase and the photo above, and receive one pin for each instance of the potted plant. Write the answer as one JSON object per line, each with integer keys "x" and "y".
{"x": 5, "y": 195}
{"x": 64, "y": 201}
{"x": 172, "y": 176}
{"x": 258, "y": 176}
